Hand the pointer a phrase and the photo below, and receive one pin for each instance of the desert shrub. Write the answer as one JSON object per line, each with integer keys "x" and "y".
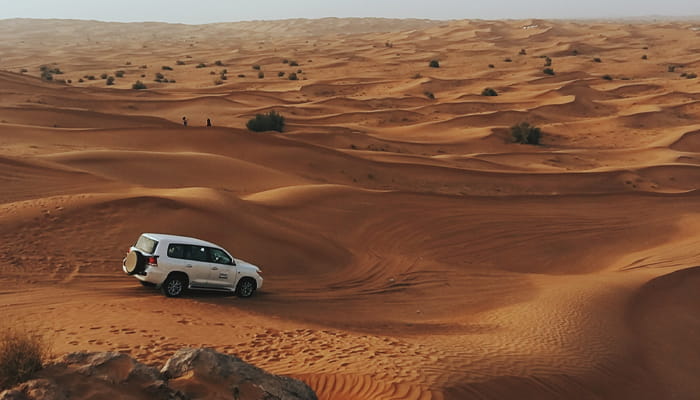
{"x": 218, "y": 63}
{"x": 172, "y": 81}
{"x": 128, "y": 63}
{"x": 218, "y": 82}
{"x": 644, "y": 57}
{"x": 110, "y": 81}
{"x": 201, "y": 65}
{"x": 143, "y": 75}
{"x": 241, "y": 75}
{"x": 90, "y": 77}
{"x": 671, "y": 68}
{"x": 119, "y": 74}
{"x": 293, "y": 63}
{"x": 256, "y": 67}
{"x": 144, "y": 66}
{"x": 429, "y": 95}
{"x": 22, "y": 353}
{"x": 691, "y": 75}
{"x": 166, "y": 68}
{"x": 224, "y": 71}
{"x": 292, "y": 76}
{"x": 280, "y": 74}
{"x": 417, "y": 76}
{"x": 261, "y": 75}
{"x": 271, "y": 121}
{"x": 179, "y": 62}
{"x": 159, "y": 77}
{"x": 103, "y": 76}
{"x": 548, "y": 71}
{"x": 138, "y": 85}
{"x": 597, "y": 59}
{"x": 574, "y": 52}
{"x": 223, "y": 76}
{"x": 607, "y": 77}
{"x": 434, "y": 64}
{"x": 547, "y": 62}
{"x": 489, "y": 92}
{"x": 80, "y": 80}
{"x": 285, "y": 61}
{"x": 46, "y": 75}
{"x": 23, "y": 70}
{"x": 212, "y": 72}
{"x": 299, "y": 71}
{"x": 525, "y": 133}
{"x": 492, "y": 66}
{"x": 507, "y": 60}
{"x": 522, "y": 52}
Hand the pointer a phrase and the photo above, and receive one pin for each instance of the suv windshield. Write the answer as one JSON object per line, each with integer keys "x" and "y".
{"x": 146, "y": 244}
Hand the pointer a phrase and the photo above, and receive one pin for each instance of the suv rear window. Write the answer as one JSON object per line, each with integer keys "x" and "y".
{"x": 146, "y": 244}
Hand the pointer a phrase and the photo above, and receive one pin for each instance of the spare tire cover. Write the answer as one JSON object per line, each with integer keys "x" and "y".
{"x": 134, "y": 262}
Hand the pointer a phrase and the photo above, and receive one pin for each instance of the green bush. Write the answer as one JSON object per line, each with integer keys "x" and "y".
{"x": 166, "y": 68}
{"x": 607, "y": 77}
{"x": 139, "y": 85}
{"x": 201, "y": 65}
{"x": 110, "y": 81}
{"x": 179, "y": 62}
{"x": 548, "y": 71}
{"x": 429, "y": 95}
{"x": 293, "y": 64}
{"x": 21, "y": 355}
{"x": 525, "y": 133}
{"x": 271, "y": 121}
{"x": 261, "y": 75}
{"x": 598, "y": 60}
{"x": 219, "y": 63}
{"x": 103, "y": 76}
{"x": 280, "y": 74}
{"x": 256, "y": 67}
{"x": 547, "y": 62}
{"x": 292, "y": 76}
{"x": 434, "y": 64}
{"x": 119, "y": 74}
{"x": 489, "y": 92}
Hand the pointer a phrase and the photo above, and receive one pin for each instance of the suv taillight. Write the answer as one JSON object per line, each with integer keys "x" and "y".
{"x": 153, "y": 261}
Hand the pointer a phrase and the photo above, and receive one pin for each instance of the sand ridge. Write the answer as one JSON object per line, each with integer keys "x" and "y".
{"x": 410, "y": 249}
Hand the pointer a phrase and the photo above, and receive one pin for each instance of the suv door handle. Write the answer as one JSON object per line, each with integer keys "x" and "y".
{"x": 215, "y": 268}
{"x": 188, "y": 265}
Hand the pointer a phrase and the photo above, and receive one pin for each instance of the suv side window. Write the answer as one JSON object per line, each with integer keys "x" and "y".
{"x": 176, "y": 251}
{"x": 219, "y": 256}
{"x": 196, "y": 253}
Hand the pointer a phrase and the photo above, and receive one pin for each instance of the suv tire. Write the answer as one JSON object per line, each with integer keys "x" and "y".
{"x": 175, "y": 285}
{"x": 135, "y": 262}
{"x": 245, "y": 287}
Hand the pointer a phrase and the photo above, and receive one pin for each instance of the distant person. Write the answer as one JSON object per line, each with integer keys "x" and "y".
{"x": 208, "y": 122}
{"x": 184, "y": 121}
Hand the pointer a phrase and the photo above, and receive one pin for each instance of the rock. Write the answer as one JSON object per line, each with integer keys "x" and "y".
{"x": 110, "y": 367}
{"x": 36, "y": 389}
{"x": 189, "y": 374}
{"x": 245, "y": 381}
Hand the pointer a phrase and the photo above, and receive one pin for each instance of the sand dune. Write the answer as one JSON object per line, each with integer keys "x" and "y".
{"x": 410, "y": 249}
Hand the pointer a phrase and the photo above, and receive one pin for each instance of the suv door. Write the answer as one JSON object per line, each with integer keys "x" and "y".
{"x": 223, "y": 269}
{"x": 196, "y": 263}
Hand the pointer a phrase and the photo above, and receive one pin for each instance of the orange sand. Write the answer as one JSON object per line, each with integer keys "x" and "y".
{"x": 409, "y": 250}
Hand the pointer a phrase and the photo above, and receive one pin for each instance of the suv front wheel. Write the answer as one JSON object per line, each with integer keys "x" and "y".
{"x": 245, "y": 287}
{"x": 174, "y": 286}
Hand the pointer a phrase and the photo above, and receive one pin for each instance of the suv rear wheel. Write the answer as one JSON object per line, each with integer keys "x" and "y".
{"x": 175, "y": 285}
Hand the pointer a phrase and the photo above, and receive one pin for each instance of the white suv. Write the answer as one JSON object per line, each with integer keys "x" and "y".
{"x": 176, "y": 263}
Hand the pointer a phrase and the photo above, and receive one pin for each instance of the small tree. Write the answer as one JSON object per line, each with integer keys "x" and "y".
{"x": 219, "y": 63}
{"x": 261, "y": 75}
{"x": 119, "y": 74}
{"x": 434, "y": 64}
{"x": 110, "y": 81}
{"x": 292, "y": 76}
{"x": 271, "y": 121}
{"x": 525, "y": 133}
{"x": 21, "y": 355}
{"x": 138, "y": 85}
{"x": 489, "y": 92}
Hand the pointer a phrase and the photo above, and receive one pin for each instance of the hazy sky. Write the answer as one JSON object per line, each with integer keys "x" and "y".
{"x": 204, "y": 11}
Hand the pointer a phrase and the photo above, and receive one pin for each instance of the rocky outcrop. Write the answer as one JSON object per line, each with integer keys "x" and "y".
{"x": 189, "y": 374}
